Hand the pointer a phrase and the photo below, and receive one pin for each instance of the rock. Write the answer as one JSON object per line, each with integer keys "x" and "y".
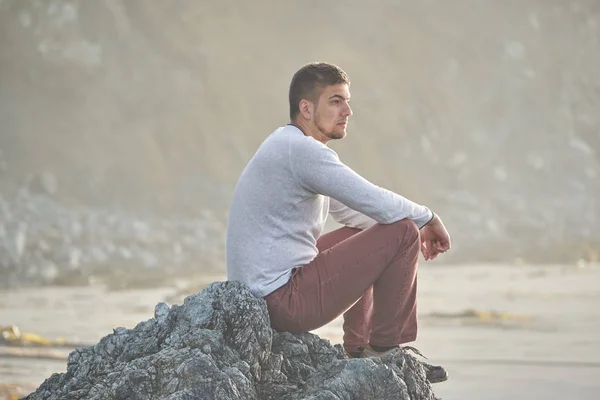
{"x": 44, "y": 182}
{"x": 219, "y": 345}
{"x": 161, "y": 311}
{"x": 44, "y": 241}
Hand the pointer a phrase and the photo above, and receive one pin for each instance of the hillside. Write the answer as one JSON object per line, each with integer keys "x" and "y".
{"x": 486, "y": 111}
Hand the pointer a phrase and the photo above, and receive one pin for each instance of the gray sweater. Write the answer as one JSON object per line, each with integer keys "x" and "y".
{"x": 282, "y": 199}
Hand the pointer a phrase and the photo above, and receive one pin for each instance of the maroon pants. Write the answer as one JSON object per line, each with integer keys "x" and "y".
{"x": 370, "y": 276}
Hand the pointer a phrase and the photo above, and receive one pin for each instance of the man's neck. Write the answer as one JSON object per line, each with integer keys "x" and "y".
{"x": 307, "y": 131}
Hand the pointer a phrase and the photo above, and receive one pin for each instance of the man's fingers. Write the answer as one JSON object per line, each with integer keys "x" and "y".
{"x": 424, "y": 251}
{"x": 442, "y": 246}
{"x": 445, "y": 245}
{"x": 432, "y": 246}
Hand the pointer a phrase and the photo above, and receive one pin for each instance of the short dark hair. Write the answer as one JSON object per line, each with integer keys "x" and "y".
{"x": 309, "y": 79}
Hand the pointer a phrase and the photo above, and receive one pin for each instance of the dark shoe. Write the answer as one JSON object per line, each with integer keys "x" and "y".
{"x": 433, "y": 373}
{"x": 368, "y": 352}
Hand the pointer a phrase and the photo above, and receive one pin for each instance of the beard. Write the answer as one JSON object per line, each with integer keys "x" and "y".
{"x": 327, "y": 133}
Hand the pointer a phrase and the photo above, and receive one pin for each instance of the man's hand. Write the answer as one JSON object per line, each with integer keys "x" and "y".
{"x": 434, "y": 239}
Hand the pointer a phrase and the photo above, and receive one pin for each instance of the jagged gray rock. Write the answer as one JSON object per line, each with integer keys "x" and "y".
{"x": 219, "y": 345}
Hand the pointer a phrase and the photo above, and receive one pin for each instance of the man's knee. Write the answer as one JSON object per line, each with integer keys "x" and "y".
{"x": 407, "y": 229}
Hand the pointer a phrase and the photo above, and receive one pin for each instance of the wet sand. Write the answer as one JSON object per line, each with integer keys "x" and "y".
{"x": 501, "y": 331}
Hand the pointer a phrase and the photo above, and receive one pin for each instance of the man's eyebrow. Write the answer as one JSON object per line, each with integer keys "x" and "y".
{"x": 339, "y": 96}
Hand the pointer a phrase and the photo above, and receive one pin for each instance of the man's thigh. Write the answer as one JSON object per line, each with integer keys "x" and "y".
{"x": 332, "y": 238}
{"x": 330, "y": 284}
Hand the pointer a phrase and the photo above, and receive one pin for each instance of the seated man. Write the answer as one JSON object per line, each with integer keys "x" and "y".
{"x": 367, "y": 269}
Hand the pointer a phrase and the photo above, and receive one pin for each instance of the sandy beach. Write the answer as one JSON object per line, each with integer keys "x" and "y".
{"x": 501, "y": 331}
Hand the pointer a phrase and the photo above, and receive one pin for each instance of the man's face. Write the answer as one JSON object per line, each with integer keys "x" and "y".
{"x": 332, "y": 111}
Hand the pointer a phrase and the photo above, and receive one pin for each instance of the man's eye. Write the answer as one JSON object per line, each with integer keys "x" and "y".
{"x": 335, "y": 101}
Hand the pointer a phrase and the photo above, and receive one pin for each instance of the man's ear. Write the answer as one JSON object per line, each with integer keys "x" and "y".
{"x": 307, "y": 109}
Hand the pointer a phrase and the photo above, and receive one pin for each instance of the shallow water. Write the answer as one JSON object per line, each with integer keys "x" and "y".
{"x": 524, "y": 332}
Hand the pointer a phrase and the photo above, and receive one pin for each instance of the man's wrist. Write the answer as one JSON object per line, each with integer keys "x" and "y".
{"x": 430, "y": 219}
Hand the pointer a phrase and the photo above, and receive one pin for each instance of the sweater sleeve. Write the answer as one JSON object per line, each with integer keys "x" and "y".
{"x": 348, "y": 217}
{"x": 318, "y": 169}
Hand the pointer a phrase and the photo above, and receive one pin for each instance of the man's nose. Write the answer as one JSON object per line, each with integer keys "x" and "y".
{"x": 348, "y": 112}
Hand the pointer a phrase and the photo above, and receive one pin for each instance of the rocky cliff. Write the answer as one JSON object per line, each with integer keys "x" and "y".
{"x": 486, "y": 111}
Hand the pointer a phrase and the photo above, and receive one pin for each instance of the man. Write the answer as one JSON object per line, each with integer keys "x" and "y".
{"x": 367, "y": 269}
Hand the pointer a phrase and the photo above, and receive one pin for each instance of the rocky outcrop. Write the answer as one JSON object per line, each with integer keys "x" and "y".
{"x": 219, "y": 345}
